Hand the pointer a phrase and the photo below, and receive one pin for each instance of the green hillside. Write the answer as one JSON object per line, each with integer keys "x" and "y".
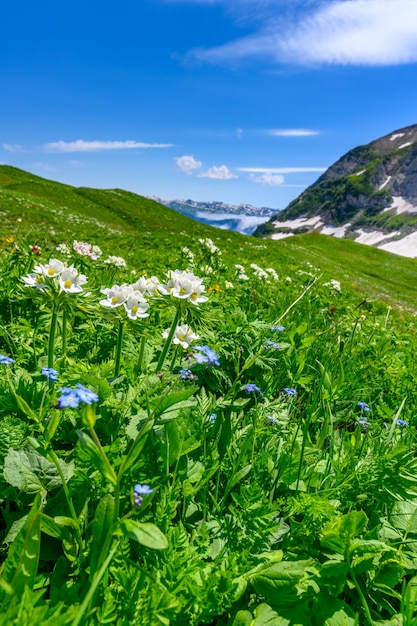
{"x": 150, "y": 236}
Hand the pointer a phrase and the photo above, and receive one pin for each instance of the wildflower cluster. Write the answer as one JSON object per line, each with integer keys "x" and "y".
{"x": 117, "y": 261}
{"x": 127, "y": 296}
{"x": 6, "y": 360}
{"x": 86, "y": 249}
{"x": 55, "y": 276}
{"x": 206, "y": 355}
{"x": 184, "y": 285}
{"x": 138, "y": 492}
{"x": 50, "y": 373}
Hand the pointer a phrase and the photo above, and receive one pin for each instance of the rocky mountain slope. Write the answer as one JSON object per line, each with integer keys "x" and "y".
{"x": 369, "y": 195}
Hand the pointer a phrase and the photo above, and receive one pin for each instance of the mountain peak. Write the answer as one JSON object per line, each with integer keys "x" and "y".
{"x": 369, "y": 195}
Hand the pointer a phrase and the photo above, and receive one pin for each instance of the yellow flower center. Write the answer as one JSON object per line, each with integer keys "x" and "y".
{"x": 51, "y": 271}
{"x": 114, "y": 300}
{"x": 67, "y": 284}
{"x": 182, "y": 290}
{"x": 135, "y": 309}
{"x": 181, "y": 337}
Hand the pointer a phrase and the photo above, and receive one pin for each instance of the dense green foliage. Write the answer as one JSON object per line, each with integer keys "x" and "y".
{"x": 264, "y": 472}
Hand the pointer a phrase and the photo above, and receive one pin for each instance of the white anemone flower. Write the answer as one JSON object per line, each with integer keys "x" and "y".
{"x": 51, "y": 269}
{"x": 34, "y": 280}
{"x": 184, "y": 285}
{"x": 183, "y": 335}
{"x": 116, "y": 295}
{"x": 70, "y": 280}
{"x": 136, "y": 306}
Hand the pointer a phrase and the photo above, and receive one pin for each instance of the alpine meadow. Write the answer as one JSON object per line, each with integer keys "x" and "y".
{"x": 200, "y": 426}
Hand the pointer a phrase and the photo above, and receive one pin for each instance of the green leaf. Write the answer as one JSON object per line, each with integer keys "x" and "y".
{"x": 101, "y": 529}
{"x": 29, "y": 471}
{"x": 22, "y": 561}
{"x": 144, "y": 533}
{"x": 338, "y": 534}
{"x": 403, "y": 516}
{"x": 136, "y": 447}
{"x": 97, "y": 457}
{"x": 286, "y": 584}
{"x": 172, "y": 402}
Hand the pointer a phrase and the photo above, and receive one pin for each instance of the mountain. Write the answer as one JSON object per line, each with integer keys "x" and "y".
{"x": 369, "y": 195}
{"x": 242, "y": 218}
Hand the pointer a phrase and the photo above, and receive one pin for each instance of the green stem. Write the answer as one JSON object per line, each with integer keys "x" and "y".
{"x": 96, "y": 581}
{"x": 119, "y": 348}
{"x": 64, "y": 332}
{"x": 362, "y": 599}
{"x": 141, "y": 352}
{"x": 52, "y": 333}
{"x": 68, "y": 498}
{"x": 169, "y": 340}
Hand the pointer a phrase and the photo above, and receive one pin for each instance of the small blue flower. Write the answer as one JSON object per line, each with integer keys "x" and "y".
{"x": 69, "y": 399}
{"x": 270, "y": 420}
{"x": 401, "y": 423}
{"x": 6, "y": 360}
{"x": 50, "y": 373}
{"x": 206, "y": 355}
{"x": 138, "y": 492}
{"x": 363, "y": 423}
{"x": 273, "y": 344}
{"x": 185, "y": 373}
{"x": 252, "y": 388}
{"x": 277, "y": 329}
{"x": 290, "y": 391}
{"x": 86, "y": 395}
{"x": 363, "y": 406}
{"x": 213, "y": 417}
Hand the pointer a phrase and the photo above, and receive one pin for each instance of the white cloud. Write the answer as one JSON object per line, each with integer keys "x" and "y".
{"x": 13, "y": 147}
{"x": 187, "y": 164}
{"x": 293, "y": 132}
{"x": 280, "y": 170}
{"x": 268, "y": 179}
{"x": 93, "y": 146}
{"x": 221, "y": 172}
{"x": 339, "y": 32}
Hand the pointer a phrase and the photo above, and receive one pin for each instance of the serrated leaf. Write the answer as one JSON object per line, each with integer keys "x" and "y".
{"x": 144, "y": 533}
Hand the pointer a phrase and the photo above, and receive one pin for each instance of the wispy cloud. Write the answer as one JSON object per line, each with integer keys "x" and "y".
{"x": 280, "y": 170}
{"x": 220, "y": 172}
{"x": 293, "y": 132}
{"x": 187, "y": 164}
{"x": 80, "y": 145}
{"x": 268, "y": 179}
{"x": 13, "y": 147}
{"x": 338, "y": 32}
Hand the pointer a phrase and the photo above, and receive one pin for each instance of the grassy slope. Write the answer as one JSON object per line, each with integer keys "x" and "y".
{"x": 150, "y": 236}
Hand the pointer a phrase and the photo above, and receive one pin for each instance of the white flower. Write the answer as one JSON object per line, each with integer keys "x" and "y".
{"x": 63, "y": 248}
{"x": 147, "y": 285}
{"x": 272, "y": 272}
{"x": 70, "y": 280}
{"x": 86, "y": 249}
{"x": 333, "y": 284}
{"x": 184, "y": 285}
{"x": 228, "y": 284}
{"x": 118, "y": 261}
{"x": 34, "y": 280}
{"x": 116, "y": 295}
{"x": 53, "y": 268}
{"x": 183, "y": 335}
{"x": 136, "y": 306}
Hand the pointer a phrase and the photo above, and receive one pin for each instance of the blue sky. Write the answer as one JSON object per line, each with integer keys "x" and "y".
{"x": 244, "y": 101}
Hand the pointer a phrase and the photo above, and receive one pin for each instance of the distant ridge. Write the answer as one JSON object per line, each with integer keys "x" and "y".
{"x": 242, "y": 218}
{"x": 369, "y": 195}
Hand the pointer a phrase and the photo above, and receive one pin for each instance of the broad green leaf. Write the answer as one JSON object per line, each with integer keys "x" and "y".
{"x": 338, "y": 533}
{"x": 101, "y": 530}
{"x": 172, "y": 402}
{"x": 144, "y": 533}
{"x": 51, "y": 528}
{"x": 266, "y": 616}
{"x": 403, "y": 516}
{"x": 286, "y": 584}
{"x": 22, "y": 561}
{"x": 31, "y": 472}
{"x": 243, "y": 618}
{"x": 330, "y": 611}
